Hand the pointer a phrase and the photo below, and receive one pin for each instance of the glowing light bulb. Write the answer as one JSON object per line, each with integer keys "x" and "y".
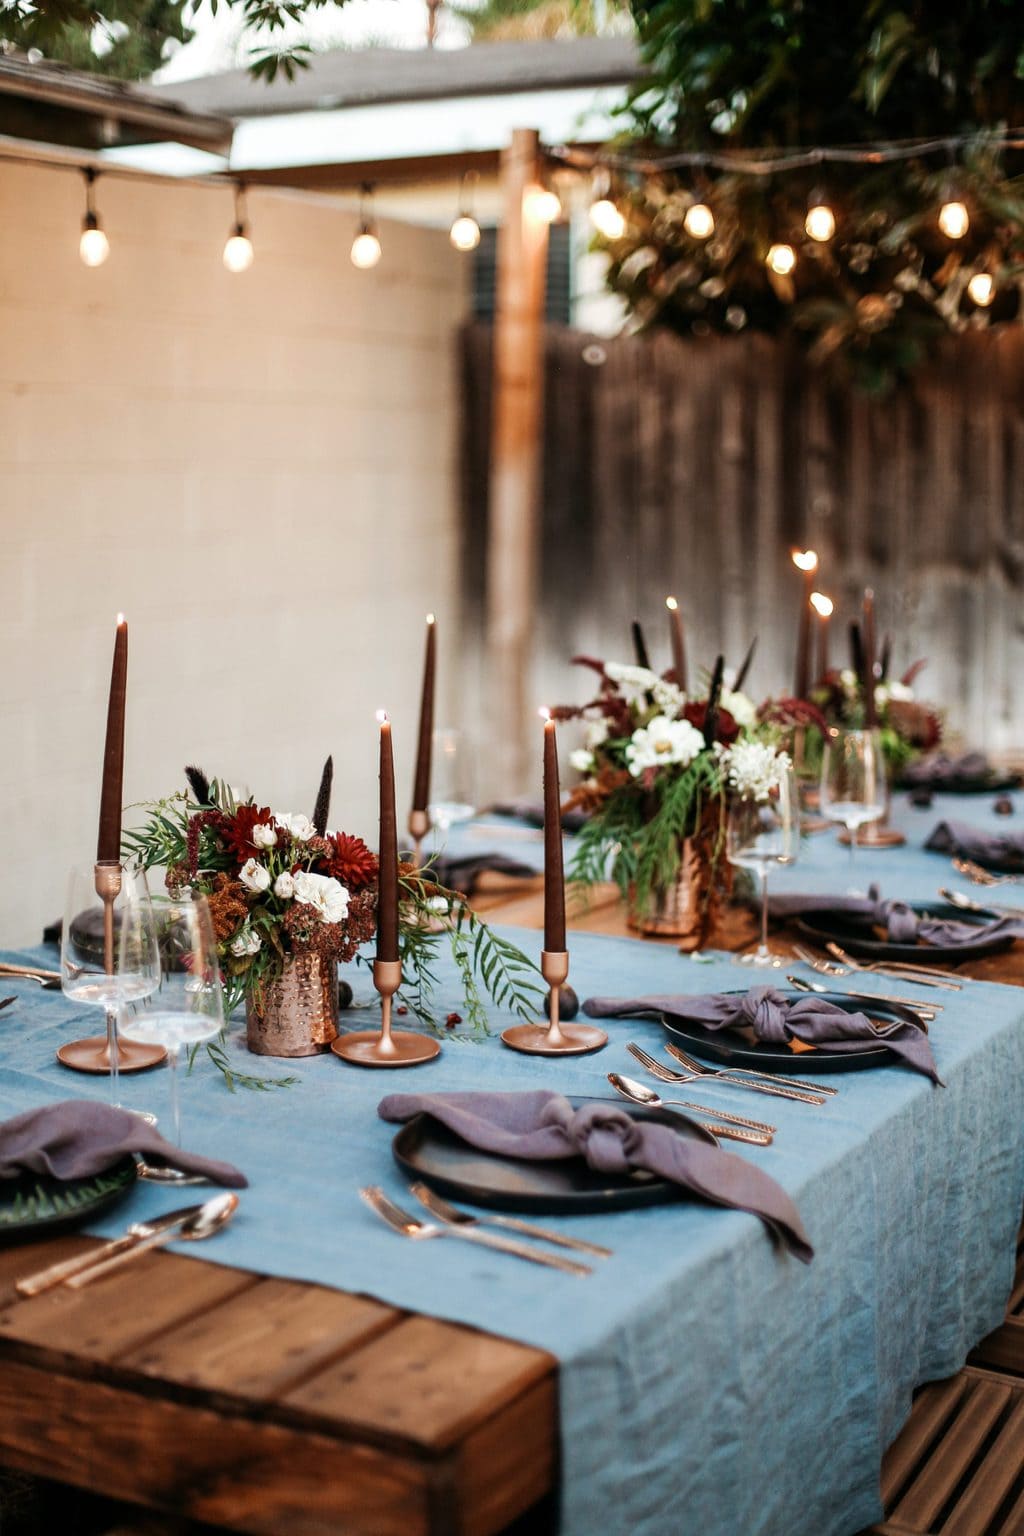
{"x": 238, "y": 252}
{"x": 699, "y": 221}
{"x": 781, "y": 259}
{"x": 982, "y": 289}
{"x": 94, "y": 247}
{"x": 820, "y": 222}
{"x": 822, "y": 604}
{"x": 805, "y": 559}
{"x": 954, "y": 220}
{"x": 542, "y": 205}
{"x": 465, "y": 233}
{"x": 607, "y": 219}
{"x": 366, "y": 250}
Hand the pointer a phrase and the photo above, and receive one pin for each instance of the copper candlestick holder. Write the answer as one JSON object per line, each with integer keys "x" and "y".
{"x": 386, "y": 1047}
{"x": 102, "y": 1053}
{"x": 874, "y": 834}
{"x": 419, "y": 826}
{"x": 554, "y": 1038}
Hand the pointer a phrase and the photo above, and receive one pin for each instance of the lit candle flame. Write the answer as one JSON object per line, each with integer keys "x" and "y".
{"x": 805, "y": 559}
{"x": 120, "y": 618}
{"x": 544, "y": 712}
{"x": 671, "y": 604}
{"x": 430, "y": 618}
{"x": 382, "y": 717}
{"x": 822, "y": 604}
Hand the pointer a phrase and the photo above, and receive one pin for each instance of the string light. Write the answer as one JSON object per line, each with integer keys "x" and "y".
{"x": 238, "y": 251}
{"x": 542, "y": 205}
{"x": 93, "y": 247}
{"x": 821, "y": 604}
{"x": 465, "y": 231}
{"x": 982, "y": 289}
{"x": 366, "y": 247}
{"x": 699, "y": 221}
{"x": 820, "y": 222}
{"x": 607, "y": 219}
{"x": 781, "y": 259}
{"x": 954, "y": 220}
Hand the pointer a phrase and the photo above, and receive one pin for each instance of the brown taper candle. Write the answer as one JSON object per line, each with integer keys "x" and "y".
{"x": 554, "y": 876}
{"x": 868, "y": 633}
{"x": 108, "y": 845}
{"x": 675, "y": 630}
{"x": 421, "y": 783}
{"x": 823, "y": 607}
{"x": 806, "y": 561}
{"x": 387, "y": 888}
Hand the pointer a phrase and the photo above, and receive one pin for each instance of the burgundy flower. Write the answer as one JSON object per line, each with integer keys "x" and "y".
{"x": 696, "y": 713}
{"x": 237, "y": 830}
{"x": 350, "y": 861}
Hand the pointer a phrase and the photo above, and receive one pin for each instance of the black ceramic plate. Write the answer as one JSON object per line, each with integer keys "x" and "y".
{"x": 425, "y": 1149}
{"x": 741, "y": 1047}
{"x": 33, "y": 1206}
{"x": 859, "y": 937}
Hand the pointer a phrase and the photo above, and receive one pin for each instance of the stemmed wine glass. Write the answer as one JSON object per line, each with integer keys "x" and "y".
{"x": 103, "y": 900}
{"x": 187, "y": 1007}
{"x": 761, "y": 832}
{"x": 452, "y": 793}
{"x": 853, "y": 781}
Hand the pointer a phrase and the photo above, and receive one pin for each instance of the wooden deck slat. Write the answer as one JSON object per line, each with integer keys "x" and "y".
{"x": 930, "y": 1411}
{"x": 1013, "y": 1522}
{"x": 994, "y": 1479}
{"x": 230, "y": 1471}
{"x": 933, "y": 1486}
{"x": 260, "y": 1342}
{"x": 1003, "y": 1349}
{"x": 426, "y": 1381}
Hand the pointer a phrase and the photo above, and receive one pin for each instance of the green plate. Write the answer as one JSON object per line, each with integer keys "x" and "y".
{"x": 34, "y": 1205}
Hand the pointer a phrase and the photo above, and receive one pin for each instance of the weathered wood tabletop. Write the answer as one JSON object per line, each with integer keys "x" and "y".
{"x": 281, "y": 1408}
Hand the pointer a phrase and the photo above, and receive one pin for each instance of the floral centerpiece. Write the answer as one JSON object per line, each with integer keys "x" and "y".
{"x": 654, "y": 787}
{"x": 290, "y": 900}
{"x": 907, "y": 726}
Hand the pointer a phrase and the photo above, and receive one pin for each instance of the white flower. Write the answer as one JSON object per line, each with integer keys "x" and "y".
{"x": 254, "y": 876}
{"x": 894, "y": 691}
{"x": 742, "y": 708}
{"x": 582, "y": 760}
{"x": 263, "y": 835}
{"x": 329, "y": 897}
{"x": 634, "y": 683}
{"x": 284, "y": 886}
{"x": 661, "y": 742}
{"x": 300, "y": 827}
{"x": 754, "y": 769}
{"x": 597, "y": 732}
{"x": 669, "y": 699}
{"x": 246, "y": 942}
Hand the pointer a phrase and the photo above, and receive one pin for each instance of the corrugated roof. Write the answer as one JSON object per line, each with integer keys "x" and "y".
{"x": 345, "y": 77}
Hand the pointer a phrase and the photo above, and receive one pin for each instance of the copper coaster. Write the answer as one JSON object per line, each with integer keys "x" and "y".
{"x": 884, "y": 837}
{"x": 364, "y": 1048}
{"x": 577, "y": 1039}
{"x": 90, "y": 1055}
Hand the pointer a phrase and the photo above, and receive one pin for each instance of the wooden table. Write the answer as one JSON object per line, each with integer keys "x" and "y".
{"x": 284, "y": 1409}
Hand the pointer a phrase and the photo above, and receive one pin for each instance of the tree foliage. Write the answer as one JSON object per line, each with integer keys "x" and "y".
{"x": 749, "y": 79}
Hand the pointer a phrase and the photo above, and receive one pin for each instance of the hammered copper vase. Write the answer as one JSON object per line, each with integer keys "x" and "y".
{"x": 685, "y": 909}
{"x": 297, "y": 1014}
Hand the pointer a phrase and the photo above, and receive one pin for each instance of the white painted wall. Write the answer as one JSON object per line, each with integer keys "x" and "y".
{"x": 259, "y": 470}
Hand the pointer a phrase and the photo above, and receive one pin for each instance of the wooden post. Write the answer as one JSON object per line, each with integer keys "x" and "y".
{"x": 516, "y": 437}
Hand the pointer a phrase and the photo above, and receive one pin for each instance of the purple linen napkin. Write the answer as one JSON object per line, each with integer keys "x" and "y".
{"x": 940, "y": 770}
{"x": 996, "y": 850}
{"x": 532, "y": 812}
{"x": 777, "y": 1019}
{"x": 901, "y": 923}
{"x": 543, "y": 1126}
{"x": 78, "y": 1138}
{"x": 463, "y": 874}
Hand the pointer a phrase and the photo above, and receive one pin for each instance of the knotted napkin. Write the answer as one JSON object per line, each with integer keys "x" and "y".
{"x": 463, "y": 873}
{"x": 973, "y": 769}
{"x": 901, "y": 923}
{"x": 777, "y": 1019}
{"x": 532, "y": 812}
{"x": 78, "y": 1138}
{"x": 996, "y": 850}
{"x": 542, "y": 1126}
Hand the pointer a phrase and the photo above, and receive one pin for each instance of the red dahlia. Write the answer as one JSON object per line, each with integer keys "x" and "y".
{"x": 350, "y": 861}
{"x": 237, "y": 830}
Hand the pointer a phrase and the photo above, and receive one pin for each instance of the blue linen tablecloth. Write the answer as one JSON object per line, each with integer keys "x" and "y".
{"x": 706, "y": 1382}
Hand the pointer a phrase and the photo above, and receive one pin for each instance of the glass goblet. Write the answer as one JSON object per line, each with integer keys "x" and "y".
{"x": 853, "y": 781}
{"x": 452, "y": 793}
{"x": 760, "y": 833}
{"x": 104, "y": 899}
{"x": 187, "y": 1008}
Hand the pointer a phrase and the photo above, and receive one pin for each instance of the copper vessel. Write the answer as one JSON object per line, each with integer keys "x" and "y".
{"x": 297, "y": 1013}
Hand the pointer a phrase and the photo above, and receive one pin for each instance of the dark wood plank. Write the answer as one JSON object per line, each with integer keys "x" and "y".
{"x": 992, "y": 1482}
{"x": 224, "y": 1469}
{"x": 427, "y": 1382}
{"x": 1003, "y": 1350}
{"x": 977, "y": 1413}
{"x": 931, "y": 1411}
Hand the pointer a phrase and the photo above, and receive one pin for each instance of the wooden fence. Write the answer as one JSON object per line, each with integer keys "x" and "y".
{"x": 694, "y": 468}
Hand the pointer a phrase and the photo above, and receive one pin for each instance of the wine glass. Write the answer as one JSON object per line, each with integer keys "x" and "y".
{"x": 853, "y": 781}
{"x": 761, "y": 832}
{"x": 103, "y": 898}
{"x": 452, "y": 791}
{"x": 187, "y": 1007}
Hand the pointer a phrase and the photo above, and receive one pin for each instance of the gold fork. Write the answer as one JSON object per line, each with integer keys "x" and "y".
{"x": 979, "y": 876}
